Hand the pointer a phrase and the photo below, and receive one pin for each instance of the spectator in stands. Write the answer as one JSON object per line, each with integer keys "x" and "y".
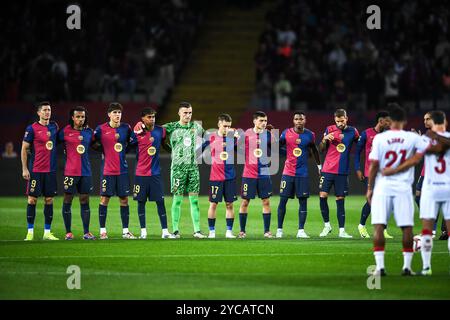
{"x": 264, "y": 93}
{"x": 9, "y": 152}
{"x": 391, "y": 85}
{"x": 282, "y": 91}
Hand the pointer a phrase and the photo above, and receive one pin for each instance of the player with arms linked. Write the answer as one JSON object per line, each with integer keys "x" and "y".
{"x": 39, "y": 168}
{"x": 77, "y": 138}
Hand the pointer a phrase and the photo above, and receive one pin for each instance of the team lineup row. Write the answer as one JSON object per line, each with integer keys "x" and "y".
{"x": 115, "y": 138}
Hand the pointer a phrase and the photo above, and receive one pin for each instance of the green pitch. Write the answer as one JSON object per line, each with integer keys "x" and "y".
{"x": 188, "y": 268}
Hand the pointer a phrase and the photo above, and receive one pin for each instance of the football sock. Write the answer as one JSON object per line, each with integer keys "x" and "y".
{"x": 427, "y": 247}
{"x": 436, "y": 221}
{"x": 302, "y": 211}
{"x": 365, "y": 212}
{"x": 162, "y": 213}
{"x": 282, "y": 211}
{"x": 266, "y": 219}
{"x": 31, "y": 215}
{"x": 141, "y": 213}
{"x": 243, "y": 221}
{"x": 48, "y": 217}
{"x": 176, "y": 211}
{"x": 67, "y": 216}
{"x": 417, "y": 199}
{"x": 85, "y": 216}
{"x": 407, "y": 257}
{"x": 195, "y": 212}
{"x": 340, "y": 212}
{"x": 378, "y": 252}
{"x": 443, "y": 225}
{"x": 324, "y": 209}
{"x": 212, "y": 224}
{"x": 102, "y": 213}
{"x": 125, "y": 216}
{"x": 230, "y": 222}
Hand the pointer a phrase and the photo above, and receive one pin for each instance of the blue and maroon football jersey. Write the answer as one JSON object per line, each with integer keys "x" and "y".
{"x": 337, "y": 158}
{"x": 222, "y": 156}
{"x": 76, "y": 149}
{"x": 43, "y": 146}
{"x": 297, "y": 151}
{"x": 147, "y": 153}
{"x": 114, "y": 142}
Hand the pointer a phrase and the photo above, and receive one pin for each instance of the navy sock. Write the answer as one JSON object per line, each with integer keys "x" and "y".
{"x": 230, "y": 222}
{"x": 141, "y": 213}
{"x": 102, "y": 213}
{"x": 31, "y": 215}
{"x": 418, "y": 201}
{"x": 266, "y": 219}
{"x": 324, "y": 209}
{"x": 340, "y": 212}
{"x": 212, "y": 224}
{"x": 302, "y": 211}
{"x": 282, "y": 211}
{"x": 162, "y": 214}
{"x": 67, "y": 216}
{"x": 48, "y": 216}
{"x": 365, "y": 213}
{"x": 243, "y": 221}
{"x": 85, "y": 211}
{"x": 125, "y": 215}
{"x": 436, "y": 221}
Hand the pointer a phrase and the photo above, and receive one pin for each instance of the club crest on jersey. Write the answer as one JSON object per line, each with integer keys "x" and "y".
{"x": 80, "y": 138}
{"x": 258, "y": 141}
{"x": 340, "y": 147}
{"x": 117, "y": 136}
{"x": 152, "y": 139}
{"x": 49, "y": 145}
{"x": 81, "y": 149}
{"x": 297, "y": 152}
{"x": 187, "y": 141}
{"x": 223, "y": 155}
{"x": 257, "y": 153}
{"x": 297, "y": 141}
{"x": 151, "y": 151}
{"x": 48, "y": 134}
{"x": 118, "y": 147}
{"x": 341, "y": 136}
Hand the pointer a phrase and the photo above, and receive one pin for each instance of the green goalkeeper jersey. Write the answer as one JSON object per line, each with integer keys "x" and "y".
{"x": 183, "y": 140}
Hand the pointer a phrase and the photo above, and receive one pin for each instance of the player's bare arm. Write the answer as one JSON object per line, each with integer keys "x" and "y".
{"x": 324, "y": 143}
{"x": 24, "y": 158}
{"x": 373, "y": 170}
{"x": 315, "y": 153}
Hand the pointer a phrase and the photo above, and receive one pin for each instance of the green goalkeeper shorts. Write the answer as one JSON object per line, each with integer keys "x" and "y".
{"x": 185, "y": 179}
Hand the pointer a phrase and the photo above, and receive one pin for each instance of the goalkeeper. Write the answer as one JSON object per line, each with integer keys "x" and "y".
{"x": 184, "y": 173}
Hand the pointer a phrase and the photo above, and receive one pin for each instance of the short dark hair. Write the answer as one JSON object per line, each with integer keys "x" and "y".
{"x": 396, "y": 112}
{"x": 39, "y": 105}
{"x": 340, "y": 113}
{"x": 114, "y": 106}
{"x": 437, "y": 116}
{"x": 381, "y": 114}
{"x": 184, "y": 104}
{"x": 259, "y": 114}
{"x": 224, "y": 117}
{"x": 300, "y": 113}
{"x": 79, "y": 109}
{"x": 147, "y": 111}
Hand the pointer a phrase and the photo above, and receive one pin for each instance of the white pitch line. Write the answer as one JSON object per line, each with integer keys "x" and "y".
{"x": 199, "y": 255}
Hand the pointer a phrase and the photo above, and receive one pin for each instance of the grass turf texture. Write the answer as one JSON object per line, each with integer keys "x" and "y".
{"x": 188, "y": 268}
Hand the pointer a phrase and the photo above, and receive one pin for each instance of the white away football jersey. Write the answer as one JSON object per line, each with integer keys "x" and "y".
{"x": 437, "y": 173}
{"x": 390, "y": 148}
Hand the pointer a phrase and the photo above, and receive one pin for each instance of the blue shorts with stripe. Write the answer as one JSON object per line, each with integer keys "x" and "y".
{"x": 148, "y": 187}
{"x": 222, "y": 189}
{"x": 42, "y": 183}
{"x": 115, "y": 185}
{"x": 72, "y": 184}
{"x": 294, "y": 186}
{"x": 339, "y": 181}
{"x": 252, "y": 186}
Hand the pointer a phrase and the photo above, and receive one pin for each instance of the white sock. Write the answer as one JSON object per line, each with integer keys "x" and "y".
{"x": 30, "y": 230}
{"x": 379, "y": 259}
{"x": 360, "y": 226}
{"x": 125, "y": 230}
{"x": 341, "y": 230}
{"x": 102, "y": 230}
{"x": 327, "y": 224}
{"x": 144, "y": 231}
{"x": 407, "y": 258}
{"x": 46, "y": 231}
{"x": 301, "y": 230}
{"x": 279, "y": 230}
{"x": 165, "y": 231}
{"x": 427, "y": 246}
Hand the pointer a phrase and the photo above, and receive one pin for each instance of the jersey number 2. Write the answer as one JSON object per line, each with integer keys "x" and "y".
{"x": 392, "y": 157}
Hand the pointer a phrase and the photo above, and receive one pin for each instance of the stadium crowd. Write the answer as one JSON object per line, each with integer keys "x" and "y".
{"x": 321, "y": 53}
{"x": 114, "y": 53}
